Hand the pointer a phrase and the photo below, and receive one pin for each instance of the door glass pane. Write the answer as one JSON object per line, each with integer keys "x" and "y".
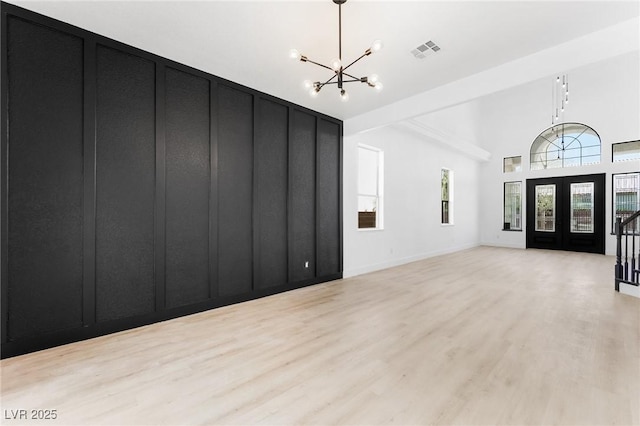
{"x": 546, "y": 208}
{"x": 582, "y": 207}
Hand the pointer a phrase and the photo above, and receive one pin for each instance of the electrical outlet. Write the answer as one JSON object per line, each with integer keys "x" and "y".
{"x": 306, "y": 264}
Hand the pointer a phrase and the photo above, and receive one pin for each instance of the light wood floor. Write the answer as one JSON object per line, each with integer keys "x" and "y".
{"x": 483, "y": 336}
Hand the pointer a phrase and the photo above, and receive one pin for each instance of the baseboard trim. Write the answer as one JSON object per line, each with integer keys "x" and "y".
{"x": 504, "y": 245}
{"x": 630, "y": 290}
{"x": 404, "y": 260}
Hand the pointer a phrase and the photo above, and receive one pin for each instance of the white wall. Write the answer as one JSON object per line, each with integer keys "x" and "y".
{"x": 412, "y": 228}
{"x": 604, "y": 96}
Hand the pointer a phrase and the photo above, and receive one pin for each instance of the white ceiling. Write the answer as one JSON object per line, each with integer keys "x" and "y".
{"x": 249, "y": 41}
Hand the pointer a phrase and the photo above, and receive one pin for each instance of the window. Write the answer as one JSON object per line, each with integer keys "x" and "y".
{"x": 565, "y": 145}
{"x": 512, "y": 164}
{"x": 626, "y": 196}
{"x": 625, "y": 151}
{"x": 446, "y": 198}
{"x": 512, "y": 206}
{"x": 370, "y": 172}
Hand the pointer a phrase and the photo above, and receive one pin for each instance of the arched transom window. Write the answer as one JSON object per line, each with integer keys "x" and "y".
{"x": 565, "y": 145}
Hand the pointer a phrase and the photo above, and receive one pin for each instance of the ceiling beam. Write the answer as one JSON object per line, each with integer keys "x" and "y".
{"x": 598, "y": 46}
{"x": 445, "y": 139}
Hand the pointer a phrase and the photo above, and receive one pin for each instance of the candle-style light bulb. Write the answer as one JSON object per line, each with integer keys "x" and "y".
{"x": 376, "y": 46}
{"x": 294, "y": 54}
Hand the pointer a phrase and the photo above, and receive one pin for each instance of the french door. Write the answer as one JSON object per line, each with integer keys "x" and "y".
{"x": 566, "y": 213}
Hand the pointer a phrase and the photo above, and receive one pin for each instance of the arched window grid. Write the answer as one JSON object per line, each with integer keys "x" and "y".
{"x": 565, "y": 145}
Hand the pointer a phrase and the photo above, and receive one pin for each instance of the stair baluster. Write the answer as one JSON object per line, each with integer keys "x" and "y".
{"x": 629, "y": 271}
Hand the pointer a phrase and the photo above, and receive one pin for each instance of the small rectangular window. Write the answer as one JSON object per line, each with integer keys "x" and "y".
{"x": 370, "y": 173}
{"x": 625, "y": 151}
{"x": 446, "y": 198}
{"x": 512, "y": 164}
{"x": 512, "y": 206}
{"x": 626, "y": 196}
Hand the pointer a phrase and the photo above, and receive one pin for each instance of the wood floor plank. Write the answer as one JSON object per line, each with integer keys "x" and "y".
{"x": 482, "y": 336}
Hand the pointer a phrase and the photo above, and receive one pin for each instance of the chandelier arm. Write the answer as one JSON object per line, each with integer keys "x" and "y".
{"x": 344, "y": 81}
{"x": 362, "y": 56}
{"x": 328, "y": 82}
{"x": 320, "y": 65}
{"x": 354, "y": 77}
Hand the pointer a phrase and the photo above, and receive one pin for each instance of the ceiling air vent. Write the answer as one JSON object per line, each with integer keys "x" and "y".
{"x": 425, "y": 49}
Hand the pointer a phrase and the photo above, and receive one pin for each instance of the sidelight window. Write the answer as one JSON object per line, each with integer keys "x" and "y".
{"x": 370, "y": 180}
{"x": 626, "y": 195}
{"x": 512, "y": 206}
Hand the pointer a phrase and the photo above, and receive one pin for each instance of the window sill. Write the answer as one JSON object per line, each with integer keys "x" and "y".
{"x": 447, "y": 224}
{"x": 512, "y": 230}
{"x": 370, "y": 229}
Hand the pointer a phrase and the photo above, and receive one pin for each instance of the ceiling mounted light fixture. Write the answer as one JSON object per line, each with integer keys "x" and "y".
{"x": 559, "y": 98}
{"x": 340, "y": 76}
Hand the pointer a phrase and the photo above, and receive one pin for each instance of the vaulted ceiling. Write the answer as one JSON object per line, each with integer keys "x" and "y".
{"x": 249, "y": 41}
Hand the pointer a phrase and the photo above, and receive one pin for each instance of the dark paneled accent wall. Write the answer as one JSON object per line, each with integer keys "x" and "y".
{"x": 302, "y": 187}
{"x": 329, "y": 198}
{"x": 188, "y": 165}
{"x": 271, "y": 193}
{"x": 45, "y": 179}
{"x": 125, "y": 184}
{"x": 235, "y": 177}
{"x": 135, "y": 189}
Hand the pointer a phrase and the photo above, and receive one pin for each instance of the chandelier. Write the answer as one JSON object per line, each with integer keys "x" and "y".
{"x": 559, "y": 98}
{"x": 340, "y": 75}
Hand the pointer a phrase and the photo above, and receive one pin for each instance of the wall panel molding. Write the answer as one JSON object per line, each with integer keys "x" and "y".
{"x": 188, "y": 177}
{"x": 45, "y": 179}
{"x": 89, "y": 195}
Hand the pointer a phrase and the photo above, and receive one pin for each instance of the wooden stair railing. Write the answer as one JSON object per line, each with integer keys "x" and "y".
{"x": 627, "y": 269}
